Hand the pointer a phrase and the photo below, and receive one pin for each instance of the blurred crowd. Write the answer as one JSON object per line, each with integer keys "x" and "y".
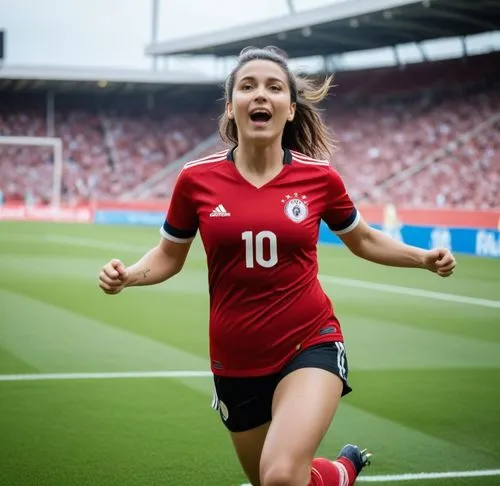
{"x": 103, "y": 154}
{"x": 424, "y": 153}
{"x": 421, "y": 148}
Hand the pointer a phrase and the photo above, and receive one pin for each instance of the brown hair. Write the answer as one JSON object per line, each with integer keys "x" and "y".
{"x": 307, "y": 133}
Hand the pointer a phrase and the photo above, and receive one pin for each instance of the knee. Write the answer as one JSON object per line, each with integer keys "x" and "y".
{"x": 283, "y": 472}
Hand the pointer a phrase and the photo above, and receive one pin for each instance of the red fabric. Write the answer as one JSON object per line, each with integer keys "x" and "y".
{"x": 351, "y": 470}
{"x": 316, "y": 478}
{"x": 266, "y": 302}
{"x": 325, "y": 473}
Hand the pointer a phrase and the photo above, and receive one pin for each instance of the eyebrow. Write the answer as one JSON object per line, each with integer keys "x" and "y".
{"x": 272, "y": 79}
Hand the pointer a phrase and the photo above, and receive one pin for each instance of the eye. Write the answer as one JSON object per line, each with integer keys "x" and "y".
{"x": 275, "y": 88}
{"x": 246, "y": 87}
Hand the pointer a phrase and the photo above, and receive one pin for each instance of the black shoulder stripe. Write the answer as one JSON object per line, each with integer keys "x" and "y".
{"x": 346, "y": 223}
{"x": 179, "y": 233}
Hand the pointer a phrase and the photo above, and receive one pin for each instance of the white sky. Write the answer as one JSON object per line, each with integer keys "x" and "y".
{"x": 114, "y": 33}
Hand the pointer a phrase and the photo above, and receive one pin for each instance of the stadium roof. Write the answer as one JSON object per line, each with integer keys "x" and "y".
{"x": 351, "y": 25}
{"x": 46, "y": 78}
{"x": 341, "y": 27}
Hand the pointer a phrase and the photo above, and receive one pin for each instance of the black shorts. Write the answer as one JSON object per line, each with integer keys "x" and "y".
{"x": 245, "y": 403}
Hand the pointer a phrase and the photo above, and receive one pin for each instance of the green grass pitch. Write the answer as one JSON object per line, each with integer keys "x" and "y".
{"x": 425, "y": 371}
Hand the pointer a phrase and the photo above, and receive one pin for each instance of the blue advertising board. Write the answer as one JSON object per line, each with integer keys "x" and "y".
{"x": 470, "y": 241}
{"x": 143, "y": 218}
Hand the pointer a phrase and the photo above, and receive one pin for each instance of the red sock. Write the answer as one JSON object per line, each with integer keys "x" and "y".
{"x": 326, "y": 473}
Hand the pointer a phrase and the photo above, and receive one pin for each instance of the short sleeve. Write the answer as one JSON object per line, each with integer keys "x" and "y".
{"x": 181, "y": 222}
{"x": 340, "y": 214}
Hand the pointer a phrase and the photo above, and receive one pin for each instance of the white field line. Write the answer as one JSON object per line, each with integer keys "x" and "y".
{"x": 107, "y": 375}
{"x": 394, "y": 289}
{"x": 196, "y": 374}
{"x": 188, "y": 374}
{"x": 435, "y": 475}
{"x": 91, "y": 243}
{"x": 391, "y": 478}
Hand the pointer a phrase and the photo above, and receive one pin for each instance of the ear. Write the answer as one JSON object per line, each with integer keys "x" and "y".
{"x": 229, "y": 110}
{"x": 291, "y": 112}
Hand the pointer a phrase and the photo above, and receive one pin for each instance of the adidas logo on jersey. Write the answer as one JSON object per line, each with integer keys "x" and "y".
{"x": 219, "y": 212}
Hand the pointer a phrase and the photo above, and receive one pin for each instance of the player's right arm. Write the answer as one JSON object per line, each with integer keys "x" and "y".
{"x": 157, "y": 265}
{"x": 167, "y": 258}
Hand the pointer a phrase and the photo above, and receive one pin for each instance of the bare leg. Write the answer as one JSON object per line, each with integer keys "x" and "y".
{"x": 304, "y": 404}
{"x": 248, "y": 446}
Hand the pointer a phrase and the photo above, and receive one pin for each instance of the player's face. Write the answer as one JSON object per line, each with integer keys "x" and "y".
{"x": 261, "y": 103}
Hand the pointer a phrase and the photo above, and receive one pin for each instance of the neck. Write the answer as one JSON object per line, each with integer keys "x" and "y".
{"x": 258, "y": 159}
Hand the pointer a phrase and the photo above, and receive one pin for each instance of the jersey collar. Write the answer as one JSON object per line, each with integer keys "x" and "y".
{"x": 287, "y": 156}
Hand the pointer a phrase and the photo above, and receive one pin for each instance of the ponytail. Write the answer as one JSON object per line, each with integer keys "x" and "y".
{"x": 307, "y": 133}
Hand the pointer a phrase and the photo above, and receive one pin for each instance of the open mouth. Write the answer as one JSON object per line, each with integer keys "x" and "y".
{"x": 260, "y": 116}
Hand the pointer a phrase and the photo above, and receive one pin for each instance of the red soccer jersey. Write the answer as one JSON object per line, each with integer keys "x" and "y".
{"x": 266, "y": 302}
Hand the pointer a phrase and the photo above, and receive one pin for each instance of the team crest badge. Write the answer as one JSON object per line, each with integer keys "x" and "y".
{"x": 296, "y": 207}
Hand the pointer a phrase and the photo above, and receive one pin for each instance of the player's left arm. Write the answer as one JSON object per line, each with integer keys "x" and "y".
{"x": 375, "y": 246}
{"x": 371, "y": 244}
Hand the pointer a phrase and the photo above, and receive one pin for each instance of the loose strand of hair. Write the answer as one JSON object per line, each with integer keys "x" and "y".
{"x": 308, "y": 133}
{"x": 309, "y": 92}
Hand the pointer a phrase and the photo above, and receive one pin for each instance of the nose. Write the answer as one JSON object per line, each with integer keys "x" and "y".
{"x": 260, "y": 94}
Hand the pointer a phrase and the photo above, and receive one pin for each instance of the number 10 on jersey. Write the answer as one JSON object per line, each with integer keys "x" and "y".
{"x": 255, "y": 246}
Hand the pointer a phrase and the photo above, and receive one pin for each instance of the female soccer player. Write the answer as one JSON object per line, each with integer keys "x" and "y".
{"x": 276, "y": 346}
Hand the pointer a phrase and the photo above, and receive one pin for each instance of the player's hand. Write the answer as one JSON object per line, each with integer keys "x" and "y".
{"x": 113, "y": 277}
{"x": 440, "y": 261}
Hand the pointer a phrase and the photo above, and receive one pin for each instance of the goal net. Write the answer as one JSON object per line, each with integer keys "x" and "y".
{"x": 32, "y": 166}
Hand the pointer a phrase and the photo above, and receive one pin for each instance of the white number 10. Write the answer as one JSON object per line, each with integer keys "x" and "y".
{"x": 255, "y": 252}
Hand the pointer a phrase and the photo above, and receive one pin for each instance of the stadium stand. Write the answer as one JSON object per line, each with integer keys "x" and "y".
{"x": 382, "y": 131}
{"x": 424, "y": 134}
{"x": 378, "y": 142}
{"x": 106, "y": 153}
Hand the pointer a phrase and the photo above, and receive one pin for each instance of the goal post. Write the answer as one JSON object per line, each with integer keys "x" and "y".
{"x": 56, "y": 144}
